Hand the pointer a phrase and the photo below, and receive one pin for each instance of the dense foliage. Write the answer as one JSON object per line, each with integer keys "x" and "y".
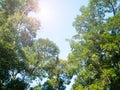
{"x": 96, "y": 46}
{"x": 23, "y": 58}
{"x": 17, "y": 30}
{"x": 95, "y": 49}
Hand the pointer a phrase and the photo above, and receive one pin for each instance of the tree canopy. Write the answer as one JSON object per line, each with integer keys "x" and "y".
{"x": 15, "y": 25}
{"x": 95, "y": 49}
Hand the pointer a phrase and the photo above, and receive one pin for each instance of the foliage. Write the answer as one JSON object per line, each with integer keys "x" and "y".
{"x": 95, "y": 56}
{"x": 22, "y": 57}
{"x": 95, "y": 47}
{"x": 14, "y": 21}
{"x": 42, "y": 56}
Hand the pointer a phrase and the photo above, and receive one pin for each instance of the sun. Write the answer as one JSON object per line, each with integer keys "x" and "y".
{"x": 46, "y": 12}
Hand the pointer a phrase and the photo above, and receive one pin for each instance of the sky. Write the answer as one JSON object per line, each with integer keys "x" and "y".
{"x": 56, "y": 18}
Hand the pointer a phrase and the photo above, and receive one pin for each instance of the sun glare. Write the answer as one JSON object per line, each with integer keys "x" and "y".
{"x": 46, "y": 12}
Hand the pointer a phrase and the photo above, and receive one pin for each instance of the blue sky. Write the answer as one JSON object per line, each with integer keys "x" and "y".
{"x": 57, "y": 17}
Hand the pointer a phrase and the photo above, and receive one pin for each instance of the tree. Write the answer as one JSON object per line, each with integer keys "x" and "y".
{"x": 95, "y": 47}
{"x": 14, "y": 21}
{"x": 43, "y": 54}
{"x": 42, "y": 58}
{"x": 44, "y": 62}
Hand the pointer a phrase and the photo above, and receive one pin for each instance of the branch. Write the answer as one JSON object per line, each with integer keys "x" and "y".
{"x": 112, "y": 7}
